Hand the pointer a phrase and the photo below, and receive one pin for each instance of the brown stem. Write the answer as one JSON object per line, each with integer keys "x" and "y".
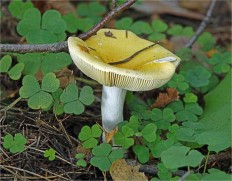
{"x": 202, "y": 26}
{"x": 63, "y": 46}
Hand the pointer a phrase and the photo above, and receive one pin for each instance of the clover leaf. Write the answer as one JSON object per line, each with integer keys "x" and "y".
{"x": 142, "y": 153}
{"x": 15, "y": 144}
{"x": 182, "y": 157}
{"x": 124, "y": 23}
{"x": 17, "y": 8}
{"x": 187, "y": 112}
{"x": 80, "y": 162}
{"x": 124, "y": 137}
{"x": 149, "y": 132}
{"x": 5, "y": 63}
{"x": 93, "y": 10}
{"x": 16, "y": 71}
{"x": 58, "y": 107}
{"x": 198, "y": 76}
{"x": 90, "y": 135}
{"x": 178, "y": 82}
{"x": 158, "y": 27}
{"x": 206, "y": 41}
{"x": 73, "y": 102}
{"x": 190, "y": 97}
{"x": 221, "y": 62}
{"x": 39, "y": 97}
{"x": 50, "y": 153}
{"x": 71, "y": 22}
{"x": 162, "y": 118}
{"x": 49, "y": 28}
{"x": 104, "y": 156}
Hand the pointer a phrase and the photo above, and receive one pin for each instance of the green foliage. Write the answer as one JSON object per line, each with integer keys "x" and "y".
{"x": 89, "y": 135}
{"x": 221, "y": 62}
{"x": 215, "y": 174}
{"x": 142, "y": 152}
{"x": 163, "y": 172}
{"x": 50, "y": 154}
{"x": 187, "y": 112}
{"x": 45, "y": 62}
{"x": 14, "y": 144}
{"x": 17, "y": 8}
{"x": 206, "y": 41}
{"x": 5, "y": 63}
{"x": 182, "y": 157}
{"x": 58, "y": 107}
{"x": 39, "y": 97}
{"x": 80, "y": 162}
{"x": 159, "y": 27}
{"x": 149, "y": 132}
{"x": 92, "y": 10}
{"x": 74, "y": 101}
{"x": 162, "y": 118}
{"x": 178, "y": 82}
{"x": 178, "y": 30}
{"x": 15, "y": 72}
{"x": 124, "y": 137}
{"x": 217, "y": 118}
{"x": 104, "y": 156}
{"x": 190, "y": 98}
{"x": 49, "y": 28}
{"x": 197, "y": 76}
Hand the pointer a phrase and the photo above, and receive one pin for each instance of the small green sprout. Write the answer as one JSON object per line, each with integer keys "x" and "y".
{"x": 80, "y": 162}
{"x": 50, "y": 153}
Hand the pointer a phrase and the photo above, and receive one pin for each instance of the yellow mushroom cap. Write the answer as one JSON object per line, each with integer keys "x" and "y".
{"x": 121, "y": 59}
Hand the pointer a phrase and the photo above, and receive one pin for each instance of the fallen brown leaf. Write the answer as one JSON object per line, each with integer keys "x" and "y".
{"x": 119, "y": 171}
{"x": 166, "y": 98}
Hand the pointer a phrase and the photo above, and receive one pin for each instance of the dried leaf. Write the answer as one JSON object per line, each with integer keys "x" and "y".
{"x": 166, "y": 98}
{"x": 110, "y": 135}
{"x": 119, "y": 171}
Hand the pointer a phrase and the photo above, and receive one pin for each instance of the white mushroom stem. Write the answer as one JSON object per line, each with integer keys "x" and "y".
{"x": 112, "y": 106}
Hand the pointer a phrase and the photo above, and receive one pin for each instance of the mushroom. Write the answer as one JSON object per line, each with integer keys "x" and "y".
{"x": 121, "y": 61}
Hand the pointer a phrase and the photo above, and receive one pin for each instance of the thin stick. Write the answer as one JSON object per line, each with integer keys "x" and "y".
{"x": 202, "y": 26}
{"x": 63, "y": 46}
{"x": 15, "y": 168}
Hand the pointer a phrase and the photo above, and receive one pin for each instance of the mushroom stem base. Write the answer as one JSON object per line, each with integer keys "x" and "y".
{"x": 112, "y": 106}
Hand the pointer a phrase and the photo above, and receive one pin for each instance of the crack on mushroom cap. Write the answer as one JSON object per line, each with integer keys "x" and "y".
{"x": 140, "y": 74}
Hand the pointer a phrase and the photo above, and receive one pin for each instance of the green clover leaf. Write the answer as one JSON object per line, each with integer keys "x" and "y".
{"x": 49, "y": 28}
{"x": 50, "y": 83}
{"x": 142, "y": 153}
{"x": 162, "y": 118}
{"x": 104, "y": 156}
{"x": 149, "y": 132}
{"x": 159, "y": 27}
{"x": 81, "y": 163}
{"x": 58, "y": 107}
{"x": 71, "y": 22}
{"x": 17, "y": 8}
{"x": 141, "y": 27}
{"x": 5, "y": 63}
{"x": 93, "y": 10}
{"x": 124, "y": 23}
{"x": 198, "y": 76}
{"x": 190, "y": 98}
{"x": 178, "y": 82}
{"x": 182, "y": 157}
{"x": 123, "y": 137}
{"x": 206, "y": 41}
{"x": 86, "y": 95}
{"x": 16, "y": 71}
{"x": 30, "y": 86}
{"x": 50, "y": 153}
{"x": 75, "y": 103}
{"x": 15, "y": 144}
{"x": 90, "y": 135}
{"x": 41, "y": 100}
